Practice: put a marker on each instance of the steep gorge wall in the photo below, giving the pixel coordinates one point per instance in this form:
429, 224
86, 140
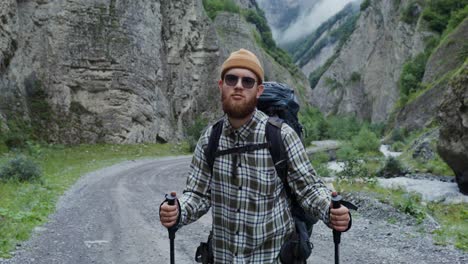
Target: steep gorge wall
119, 71
453, 118
442, 64
111, 71
374, 54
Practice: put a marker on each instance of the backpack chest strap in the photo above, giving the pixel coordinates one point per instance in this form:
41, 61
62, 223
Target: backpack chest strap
243, 149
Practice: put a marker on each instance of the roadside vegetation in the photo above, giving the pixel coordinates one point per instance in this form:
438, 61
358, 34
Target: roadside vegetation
319, 127
452, 218
363, 164
34, 176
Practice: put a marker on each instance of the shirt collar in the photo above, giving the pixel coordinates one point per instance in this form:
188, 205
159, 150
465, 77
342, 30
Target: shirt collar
243, 131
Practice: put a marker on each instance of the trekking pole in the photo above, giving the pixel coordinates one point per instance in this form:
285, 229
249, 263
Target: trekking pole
172, 230
336, 203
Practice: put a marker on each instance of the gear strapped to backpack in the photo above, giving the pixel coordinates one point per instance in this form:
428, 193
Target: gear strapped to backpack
279, 102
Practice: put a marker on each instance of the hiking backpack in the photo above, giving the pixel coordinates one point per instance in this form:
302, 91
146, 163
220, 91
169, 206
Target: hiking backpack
279, 100
280, 103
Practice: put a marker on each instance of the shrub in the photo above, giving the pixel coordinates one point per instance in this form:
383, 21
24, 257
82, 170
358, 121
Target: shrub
332, 83
3, 147
411, 205
354, 169
366, 141
377, 128
410, 13
20, 168
320, 158
412, 74
315, 126
15, 141
314, 77
34, 149
457, 17
194, 132
355, 77
322, 170
392, 168
397, 146
347, 152
343, 127
365, 4
18, 133
212, 7
438, 13
398, 134
320, 163
436, 21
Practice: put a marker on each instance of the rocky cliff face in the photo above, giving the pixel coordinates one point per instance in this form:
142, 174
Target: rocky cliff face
280, 13
108, 70
453, 118
325, 42
362, 80
446, 59
236, 33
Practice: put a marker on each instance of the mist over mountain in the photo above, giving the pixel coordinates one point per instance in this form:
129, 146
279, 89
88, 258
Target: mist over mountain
291, 20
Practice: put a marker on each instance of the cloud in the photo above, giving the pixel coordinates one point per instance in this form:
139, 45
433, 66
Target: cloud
310, 19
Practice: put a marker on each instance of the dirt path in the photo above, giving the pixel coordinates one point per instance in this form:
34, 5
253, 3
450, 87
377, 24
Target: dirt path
110, 216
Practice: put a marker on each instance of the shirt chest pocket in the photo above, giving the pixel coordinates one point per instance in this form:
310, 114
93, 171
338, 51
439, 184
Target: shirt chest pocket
262, 181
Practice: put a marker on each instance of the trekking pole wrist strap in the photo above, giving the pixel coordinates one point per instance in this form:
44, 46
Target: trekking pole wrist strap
175, 227
350, 206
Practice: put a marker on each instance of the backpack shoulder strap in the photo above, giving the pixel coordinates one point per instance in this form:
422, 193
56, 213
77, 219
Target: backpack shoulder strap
279, 156
213, 143
278, 149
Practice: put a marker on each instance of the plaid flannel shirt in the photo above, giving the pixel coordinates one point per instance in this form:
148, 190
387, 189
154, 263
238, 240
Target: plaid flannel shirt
250, 208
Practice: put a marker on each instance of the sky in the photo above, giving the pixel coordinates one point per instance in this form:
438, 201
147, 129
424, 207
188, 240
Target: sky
310, 19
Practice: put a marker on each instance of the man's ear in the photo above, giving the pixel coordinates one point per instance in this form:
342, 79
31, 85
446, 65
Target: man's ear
220, 85
260, 89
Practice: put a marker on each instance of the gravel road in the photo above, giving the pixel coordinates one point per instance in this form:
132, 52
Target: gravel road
111, 216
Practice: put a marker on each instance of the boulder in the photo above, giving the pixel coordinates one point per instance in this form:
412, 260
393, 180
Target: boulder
453, 118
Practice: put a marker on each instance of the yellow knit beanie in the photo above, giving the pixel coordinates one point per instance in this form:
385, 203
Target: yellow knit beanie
243, 59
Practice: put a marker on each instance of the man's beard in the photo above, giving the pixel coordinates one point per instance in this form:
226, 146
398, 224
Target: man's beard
238, 109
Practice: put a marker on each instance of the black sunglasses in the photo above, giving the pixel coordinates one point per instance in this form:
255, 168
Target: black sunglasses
247, 82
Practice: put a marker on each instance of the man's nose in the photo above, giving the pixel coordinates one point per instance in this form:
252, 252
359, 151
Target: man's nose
239, 83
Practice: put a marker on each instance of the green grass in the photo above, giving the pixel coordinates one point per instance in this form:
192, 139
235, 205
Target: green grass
24, 206
454, 224
453, 218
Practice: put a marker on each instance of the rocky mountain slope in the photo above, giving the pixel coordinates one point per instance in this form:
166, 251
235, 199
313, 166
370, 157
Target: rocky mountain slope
362, 80
389, 70
281, 14
447, 58
116, 71
313, 52
453, 117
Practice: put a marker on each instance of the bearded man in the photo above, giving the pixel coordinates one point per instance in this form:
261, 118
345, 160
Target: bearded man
250, 209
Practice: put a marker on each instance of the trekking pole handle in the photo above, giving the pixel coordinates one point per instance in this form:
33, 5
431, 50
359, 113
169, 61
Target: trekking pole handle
336, 200
336, 203
171, 198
